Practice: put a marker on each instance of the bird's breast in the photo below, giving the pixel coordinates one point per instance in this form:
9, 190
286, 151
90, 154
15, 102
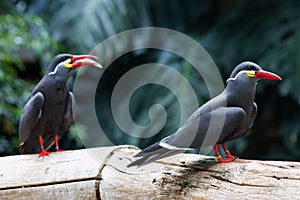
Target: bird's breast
61, 88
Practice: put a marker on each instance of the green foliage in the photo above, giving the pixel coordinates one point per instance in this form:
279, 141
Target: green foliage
25, 35
270, 38
90, 22
22, 38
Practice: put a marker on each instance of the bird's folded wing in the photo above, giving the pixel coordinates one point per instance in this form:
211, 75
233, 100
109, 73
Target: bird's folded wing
30, 116
202, 130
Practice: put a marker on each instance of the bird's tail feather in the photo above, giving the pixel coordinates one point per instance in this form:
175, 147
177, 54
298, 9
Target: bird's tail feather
21, 148
153, 153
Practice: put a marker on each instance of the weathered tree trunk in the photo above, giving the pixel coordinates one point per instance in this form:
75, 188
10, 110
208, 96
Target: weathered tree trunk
101, 173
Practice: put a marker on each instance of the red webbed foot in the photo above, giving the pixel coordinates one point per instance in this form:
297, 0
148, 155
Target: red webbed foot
223, 160
229, 156
57, 149
44, 153
227, 159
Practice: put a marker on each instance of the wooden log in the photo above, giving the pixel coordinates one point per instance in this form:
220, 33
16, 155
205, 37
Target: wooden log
101, 173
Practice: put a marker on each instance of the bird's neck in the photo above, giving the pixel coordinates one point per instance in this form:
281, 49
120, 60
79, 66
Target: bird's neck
240, 94
58, 77
57, 84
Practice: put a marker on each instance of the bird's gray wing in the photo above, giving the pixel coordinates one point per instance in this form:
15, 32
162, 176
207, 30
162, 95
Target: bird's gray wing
31, 113
235, 125
199, 130
207, 128
241, 130
67, 120
253, 115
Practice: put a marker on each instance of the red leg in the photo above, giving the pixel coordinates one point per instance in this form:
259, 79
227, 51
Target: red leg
43, 151
218, 157
56, 144
227, 153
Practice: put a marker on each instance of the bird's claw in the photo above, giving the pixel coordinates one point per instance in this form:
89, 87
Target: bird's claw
225, 160
229, 156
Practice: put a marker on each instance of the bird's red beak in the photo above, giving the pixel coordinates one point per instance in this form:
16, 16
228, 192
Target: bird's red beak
84, 60
267, 75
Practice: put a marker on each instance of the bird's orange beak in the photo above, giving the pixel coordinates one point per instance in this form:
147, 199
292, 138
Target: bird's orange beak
267, 75
84, 60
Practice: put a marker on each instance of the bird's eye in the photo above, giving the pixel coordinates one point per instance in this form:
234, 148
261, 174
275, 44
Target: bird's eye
251, 67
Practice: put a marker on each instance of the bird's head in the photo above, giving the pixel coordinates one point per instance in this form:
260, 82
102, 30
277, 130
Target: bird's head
252, 71
63, 64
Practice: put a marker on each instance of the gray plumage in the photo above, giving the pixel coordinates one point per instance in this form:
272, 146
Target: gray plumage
226, 117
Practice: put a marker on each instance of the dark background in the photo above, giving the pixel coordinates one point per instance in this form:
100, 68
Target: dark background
266, 32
